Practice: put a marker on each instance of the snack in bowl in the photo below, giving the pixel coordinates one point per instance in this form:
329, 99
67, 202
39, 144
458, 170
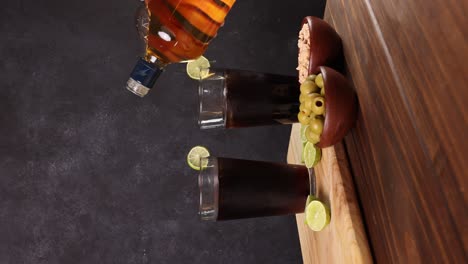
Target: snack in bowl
319, 45
330, 112
328, 102
312, 109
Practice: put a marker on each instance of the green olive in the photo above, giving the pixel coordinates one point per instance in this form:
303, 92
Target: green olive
303, 118
303, 97
316, 125
304, 110
309, 102
311, 136
319, 80
308, 87
318, 106
311, 77
322, 92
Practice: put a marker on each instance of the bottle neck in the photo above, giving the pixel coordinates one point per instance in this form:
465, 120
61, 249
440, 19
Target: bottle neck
153, 59
144, 75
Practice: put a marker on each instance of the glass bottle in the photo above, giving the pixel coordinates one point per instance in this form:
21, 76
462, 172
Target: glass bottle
174, 31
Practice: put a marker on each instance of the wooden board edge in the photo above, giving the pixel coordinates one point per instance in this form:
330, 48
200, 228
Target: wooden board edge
357, 233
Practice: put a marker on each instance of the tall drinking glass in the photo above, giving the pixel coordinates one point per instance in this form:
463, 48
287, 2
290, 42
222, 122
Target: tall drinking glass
237, 98
236, 189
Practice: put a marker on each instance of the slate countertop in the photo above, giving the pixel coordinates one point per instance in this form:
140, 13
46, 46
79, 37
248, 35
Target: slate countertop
89, 173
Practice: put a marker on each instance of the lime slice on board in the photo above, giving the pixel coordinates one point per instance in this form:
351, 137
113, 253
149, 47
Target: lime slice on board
310, 198
317, 215
198, 69
311, 155
193, 157
303, 133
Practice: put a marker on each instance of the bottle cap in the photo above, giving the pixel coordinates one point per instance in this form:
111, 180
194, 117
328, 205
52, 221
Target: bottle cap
143, 77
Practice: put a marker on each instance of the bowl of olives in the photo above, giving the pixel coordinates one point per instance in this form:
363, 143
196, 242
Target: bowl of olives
328, 107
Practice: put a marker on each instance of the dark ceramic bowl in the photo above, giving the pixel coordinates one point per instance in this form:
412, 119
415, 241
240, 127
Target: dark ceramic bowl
340, 107
325, 45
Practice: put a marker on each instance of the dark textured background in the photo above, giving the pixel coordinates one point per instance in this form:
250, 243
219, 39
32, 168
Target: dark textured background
89, 173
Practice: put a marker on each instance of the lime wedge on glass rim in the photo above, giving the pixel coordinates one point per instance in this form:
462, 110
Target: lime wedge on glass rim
194, 156
198, 69
317, 215
311, 155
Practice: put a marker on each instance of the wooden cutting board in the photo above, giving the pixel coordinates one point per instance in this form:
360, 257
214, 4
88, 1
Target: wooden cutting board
344, 239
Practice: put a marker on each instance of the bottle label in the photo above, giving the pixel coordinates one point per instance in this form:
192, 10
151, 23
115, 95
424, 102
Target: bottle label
145, 73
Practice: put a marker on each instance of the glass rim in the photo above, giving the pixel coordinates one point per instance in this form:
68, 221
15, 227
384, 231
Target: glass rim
219, 74
208, 186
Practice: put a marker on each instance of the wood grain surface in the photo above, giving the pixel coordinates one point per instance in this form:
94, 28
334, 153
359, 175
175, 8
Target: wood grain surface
344, 239
408, 63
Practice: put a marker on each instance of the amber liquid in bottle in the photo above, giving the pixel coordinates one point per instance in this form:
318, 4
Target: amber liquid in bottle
178, 30
181, 30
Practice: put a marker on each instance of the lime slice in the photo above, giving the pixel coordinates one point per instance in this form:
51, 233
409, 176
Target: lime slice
303, 134
317, 215
302, 155
311, 155
193, 157
198, 69
310, 198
